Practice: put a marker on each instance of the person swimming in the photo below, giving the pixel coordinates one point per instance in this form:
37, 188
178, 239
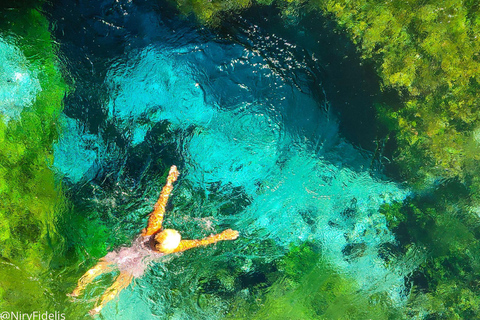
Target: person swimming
151, 244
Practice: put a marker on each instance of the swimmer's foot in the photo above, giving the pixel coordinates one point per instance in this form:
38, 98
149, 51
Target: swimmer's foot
75, 293
95, 311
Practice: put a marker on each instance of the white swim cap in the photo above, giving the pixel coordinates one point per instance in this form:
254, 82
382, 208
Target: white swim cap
167, 240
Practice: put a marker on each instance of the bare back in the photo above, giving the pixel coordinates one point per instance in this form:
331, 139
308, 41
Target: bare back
136, 258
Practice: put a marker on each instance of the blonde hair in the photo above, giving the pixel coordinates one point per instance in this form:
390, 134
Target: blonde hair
167, 240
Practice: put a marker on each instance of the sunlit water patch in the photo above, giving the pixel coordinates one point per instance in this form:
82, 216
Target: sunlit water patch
240, 128
18, 84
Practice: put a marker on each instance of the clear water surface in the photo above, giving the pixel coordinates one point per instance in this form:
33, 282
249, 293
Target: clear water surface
257, 152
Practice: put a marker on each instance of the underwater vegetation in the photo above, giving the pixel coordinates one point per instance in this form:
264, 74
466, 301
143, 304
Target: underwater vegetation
446, 284
30, 197
429, 52
306, 286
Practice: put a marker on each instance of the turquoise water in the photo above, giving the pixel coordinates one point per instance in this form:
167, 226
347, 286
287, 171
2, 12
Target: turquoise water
19, 83
255, 154
274, 125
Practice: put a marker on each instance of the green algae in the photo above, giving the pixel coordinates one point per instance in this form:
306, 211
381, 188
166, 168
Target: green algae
209, 11
31, 198
428, 51
305, 286
445, 286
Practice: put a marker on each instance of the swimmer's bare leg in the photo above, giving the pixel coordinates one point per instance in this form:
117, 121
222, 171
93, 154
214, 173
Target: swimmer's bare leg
101, 267
228, 234
156, 217
122, 281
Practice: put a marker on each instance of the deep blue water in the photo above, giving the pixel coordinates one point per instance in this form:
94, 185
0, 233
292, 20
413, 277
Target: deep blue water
258, 149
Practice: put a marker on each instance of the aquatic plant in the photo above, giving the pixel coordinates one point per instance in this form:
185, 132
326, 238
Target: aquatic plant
208, 12
445, 286
428, 51
30, 196
305, 286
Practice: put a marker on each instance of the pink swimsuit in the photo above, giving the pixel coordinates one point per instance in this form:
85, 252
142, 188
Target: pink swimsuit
135, 259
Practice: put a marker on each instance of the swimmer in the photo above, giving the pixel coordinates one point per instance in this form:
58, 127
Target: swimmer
150, 245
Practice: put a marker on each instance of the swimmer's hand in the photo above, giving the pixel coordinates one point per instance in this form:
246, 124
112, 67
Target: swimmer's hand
228, 234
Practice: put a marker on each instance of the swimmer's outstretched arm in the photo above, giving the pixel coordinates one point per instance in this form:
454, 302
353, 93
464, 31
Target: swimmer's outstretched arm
101, 267
156, 217
122, 281
228, 234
